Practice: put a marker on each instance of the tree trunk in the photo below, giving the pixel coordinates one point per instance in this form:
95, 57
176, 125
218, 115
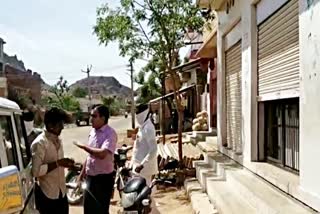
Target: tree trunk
180, 116
180, 129
163, 111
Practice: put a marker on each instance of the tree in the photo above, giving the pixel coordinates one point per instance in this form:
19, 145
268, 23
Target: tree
62, 98
114, 104
80, 92
150, 87
150, 27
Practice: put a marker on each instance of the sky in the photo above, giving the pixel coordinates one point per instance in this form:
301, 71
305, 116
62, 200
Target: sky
54, 38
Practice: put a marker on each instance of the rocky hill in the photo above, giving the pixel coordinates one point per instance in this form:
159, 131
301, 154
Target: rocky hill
105, 86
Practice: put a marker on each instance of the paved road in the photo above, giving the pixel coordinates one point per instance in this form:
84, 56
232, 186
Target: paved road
80, 134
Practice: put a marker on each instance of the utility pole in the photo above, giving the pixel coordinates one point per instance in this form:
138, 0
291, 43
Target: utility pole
87, 71
163, 108
132, 96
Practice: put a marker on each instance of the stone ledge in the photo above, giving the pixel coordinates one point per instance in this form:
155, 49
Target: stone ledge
199, 200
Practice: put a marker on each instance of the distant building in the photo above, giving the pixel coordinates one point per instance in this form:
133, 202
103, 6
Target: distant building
3, 82
22, 83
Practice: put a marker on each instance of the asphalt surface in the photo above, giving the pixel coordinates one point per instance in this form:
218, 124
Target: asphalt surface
80, 134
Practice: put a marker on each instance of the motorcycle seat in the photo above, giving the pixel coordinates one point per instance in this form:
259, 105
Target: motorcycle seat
135, 184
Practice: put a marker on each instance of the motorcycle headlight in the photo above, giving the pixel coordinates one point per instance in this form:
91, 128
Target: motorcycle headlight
145, 202
84, 185
127, 199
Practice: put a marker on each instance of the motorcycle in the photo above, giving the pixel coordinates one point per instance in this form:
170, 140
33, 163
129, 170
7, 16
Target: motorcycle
75, 192
136, 196
122, 172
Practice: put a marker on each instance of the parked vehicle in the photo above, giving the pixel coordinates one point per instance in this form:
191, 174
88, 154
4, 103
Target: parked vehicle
122, 172
15, 162
82, 117
136, 196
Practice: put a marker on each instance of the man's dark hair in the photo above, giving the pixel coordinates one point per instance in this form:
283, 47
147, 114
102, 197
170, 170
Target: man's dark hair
141, 108
28, 116
103, 111
54, 116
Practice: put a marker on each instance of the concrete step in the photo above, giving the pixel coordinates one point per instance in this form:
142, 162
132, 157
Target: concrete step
213, 162
199, 200
220, 176
203, 172
211, 177
226, 199
207, 147
212, 140
200, 136
262, 195
216, 159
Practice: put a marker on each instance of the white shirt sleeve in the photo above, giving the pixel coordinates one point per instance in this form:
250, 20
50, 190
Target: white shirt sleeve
149, 136
38, 153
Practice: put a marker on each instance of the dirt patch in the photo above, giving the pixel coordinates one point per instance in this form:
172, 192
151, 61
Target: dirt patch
122, 139
166, 201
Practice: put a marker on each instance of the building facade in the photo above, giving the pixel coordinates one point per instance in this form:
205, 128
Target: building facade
25, 84
267, 85
3, 81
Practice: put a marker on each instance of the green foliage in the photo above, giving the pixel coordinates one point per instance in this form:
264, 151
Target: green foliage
80, 92
61, 98
67, 102
144, 27
150, 87
149, 27
114, 104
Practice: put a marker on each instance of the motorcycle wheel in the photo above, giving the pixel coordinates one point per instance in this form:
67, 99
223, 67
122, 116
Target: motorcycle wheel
74, 195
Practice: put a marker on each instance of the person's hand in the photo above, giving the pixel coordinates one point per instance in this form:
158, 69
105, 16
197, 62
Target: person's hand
79, 181
65, 162
138, 168
80, 145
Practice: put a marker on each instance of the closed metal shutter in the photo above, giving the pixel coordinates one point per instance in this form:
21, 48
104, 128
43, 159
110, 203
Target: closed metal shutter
278, 52
233, 97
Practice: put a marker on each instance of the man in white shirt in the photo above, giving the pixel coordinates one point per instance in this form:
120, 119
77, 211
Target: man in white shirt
144, 157
48, 165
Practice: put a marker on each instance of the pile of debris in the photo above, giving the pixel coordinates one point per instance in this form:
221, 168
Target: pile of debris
168, 158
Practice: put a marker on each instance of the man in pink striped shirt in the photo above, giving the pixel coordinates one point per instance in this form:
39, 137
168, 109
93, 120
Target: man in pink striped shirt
99, 165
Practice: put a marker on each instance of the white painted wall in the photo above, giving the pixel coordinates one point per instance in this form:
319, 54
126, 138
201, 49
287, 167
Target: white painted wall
234, 26
309, 101
249, 14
